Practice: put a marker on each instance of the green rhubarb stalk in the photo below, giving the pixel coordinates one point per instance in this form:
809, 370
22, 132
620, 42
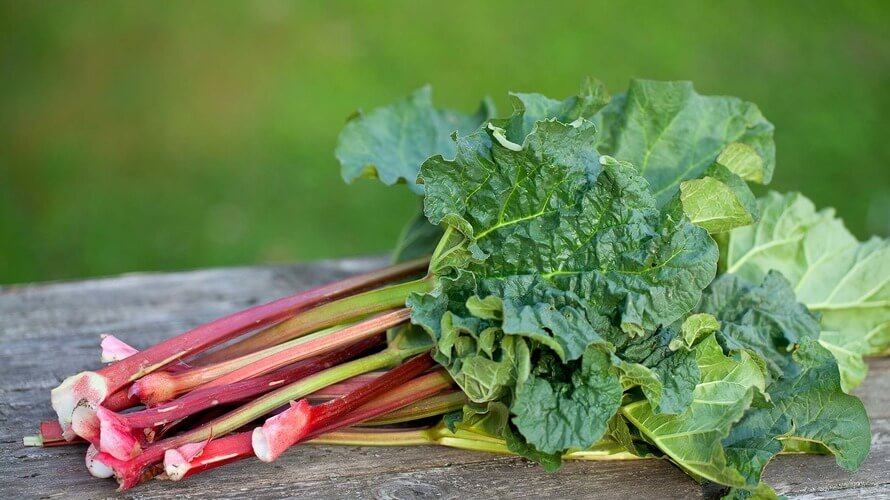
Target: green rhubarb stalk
459, 438
333, 313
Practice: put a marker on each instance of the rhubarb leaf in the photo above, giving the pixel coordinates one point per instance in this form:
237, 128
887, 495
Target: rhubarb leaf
530, 108
809, 405
556, 245
765, 319
547, 211
693, 439
667, 376
672, 133
719, 201
391, 142
805, 400
568, 405
846, 281
417, 239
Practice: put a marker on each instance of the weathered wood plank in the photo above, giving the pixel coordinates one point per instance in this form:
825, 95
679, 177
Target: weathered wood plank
49, 331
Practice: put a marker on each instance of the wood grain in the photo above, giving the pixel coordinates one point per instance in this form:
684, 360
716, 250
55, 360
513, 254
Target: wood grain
49, 331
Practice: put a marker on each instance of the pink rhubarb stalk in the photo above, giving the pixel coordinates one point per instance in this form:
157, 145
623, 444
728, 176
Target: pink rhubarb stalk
95, 386
162, 386
314, 347
145, 465
120, 432
302, 419
192, 459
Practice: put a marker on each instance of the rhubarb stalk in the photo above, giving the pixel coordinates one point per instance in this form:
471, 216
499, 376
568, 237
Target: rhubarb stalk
332, 313
303, 419
320, 345
95, 386
131, 472
120, 425
194, 458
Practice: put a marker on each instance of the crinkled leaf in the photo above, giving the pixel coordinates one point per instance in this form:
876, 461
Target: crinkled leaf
765, 319
666, 376
807, 405
693, 439
390, 143
530, 108
547, 211
564, 406
694, 328
805, 400
672, 134
846, 281
485, 363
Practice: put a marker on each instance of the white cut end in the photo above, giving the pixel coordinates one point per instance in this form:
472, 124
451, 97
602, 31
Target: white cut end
115, 349
175, 465
95, 466
115, 438
85, 386
32, 441
260, 443
84, 422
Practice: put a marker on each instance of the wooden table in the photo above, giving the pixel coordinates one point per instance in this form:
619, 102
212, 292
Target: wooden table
49, 331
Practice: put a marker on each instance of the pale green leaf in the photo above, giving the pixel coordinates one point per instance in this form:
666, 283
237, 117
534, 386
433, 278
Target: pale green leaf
846, 281
673, 134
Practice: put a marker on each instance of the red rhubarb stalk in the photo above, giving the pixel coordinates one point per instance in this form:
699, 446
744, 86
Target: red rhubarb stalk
192, 459
121, 427
336, 390
162, 386
94, 387
425, 408
302, 419
333, 313
313, 347
131, 472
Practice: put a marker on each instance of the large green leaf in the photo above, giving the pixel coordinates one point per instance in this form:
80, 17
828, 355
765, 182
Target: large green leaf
693, 439
549, 245
719, 201
390, 143
805, 400
808, 404
665, 371
672, 134
547, 211
845, 280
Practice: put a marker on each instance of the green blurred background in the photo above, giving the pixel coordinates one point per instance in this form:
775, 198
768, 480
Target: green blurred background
167, 135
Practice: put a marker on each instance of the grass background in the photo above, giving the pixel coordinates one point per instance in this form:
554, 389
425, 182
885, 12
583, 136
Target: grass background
169, 135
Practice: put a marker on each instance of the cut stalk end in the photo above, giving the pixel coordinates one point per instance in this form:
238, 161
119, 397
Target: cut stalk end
89, 387
115, 436
84, 422
281, 431
178, 461
96, 467
32, 441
